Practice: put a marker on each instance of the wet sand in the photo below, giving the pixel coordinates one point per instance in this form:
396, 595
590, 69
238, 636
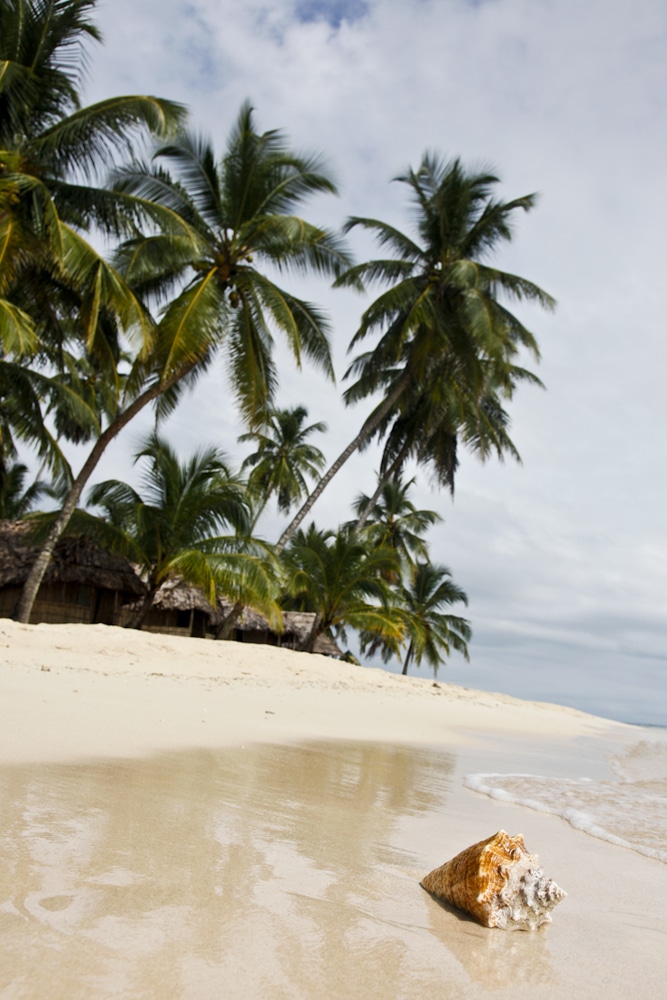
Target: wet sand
190, 819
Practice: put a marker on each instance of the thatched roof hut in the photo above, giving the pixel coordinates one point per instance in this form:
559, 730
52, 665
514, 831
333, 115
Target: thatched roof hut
83, 582
253, 627
298, 624
181, 609
178, 608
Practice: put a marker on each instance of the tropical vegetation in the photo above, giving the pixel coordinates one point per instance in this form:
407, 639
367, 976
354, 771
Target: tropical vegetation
394, 521
429, 632
448, 344
173, 528
219, 218
283, 459
342, 578
203, 248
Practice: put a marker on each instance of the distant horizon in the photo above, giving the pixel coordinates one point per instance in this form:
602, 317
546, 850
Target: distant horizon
521, 683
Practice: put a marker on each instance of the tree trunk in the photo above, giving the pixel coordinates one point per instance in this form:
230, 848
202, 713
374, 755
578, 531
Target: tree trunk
36, 575
139, 616
408, 657
367, 429
224, 629
308, 643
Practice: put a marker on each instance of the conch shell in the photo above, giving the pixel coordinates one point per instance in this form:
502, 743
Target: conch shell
498, 883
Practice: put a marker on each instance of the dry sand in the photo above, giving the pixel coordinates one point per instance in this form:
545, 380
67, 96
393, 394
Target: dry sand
183, 818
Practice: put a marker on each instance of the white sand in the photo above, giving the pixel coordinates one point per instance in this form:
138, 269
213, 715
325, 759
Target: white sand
72, 690
283, 923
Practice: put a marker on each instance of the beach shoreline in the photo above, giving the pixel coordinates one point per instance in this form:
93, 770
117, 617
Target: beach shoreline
146, 778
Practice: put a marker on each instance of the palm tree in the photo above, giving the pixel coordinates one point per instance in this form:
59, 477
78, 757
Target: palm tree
55, 288
27, 396
341, 578
230, 213
16, 499
238, 211
443, 311
392, 521
51, 149
172, 527
40, 72
436, 415
430, 632
45, 132
283, 458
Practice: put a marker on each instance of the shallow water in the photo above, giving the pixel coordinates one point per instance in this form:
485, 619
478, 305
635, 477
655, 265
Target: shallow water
237, 874
267, 872
628, 809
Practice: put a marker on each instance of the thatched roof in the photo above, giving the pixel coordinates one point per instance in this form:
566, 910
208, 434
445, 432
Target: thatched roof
176, 595
300, 623
297, 626
248, 620
76, 559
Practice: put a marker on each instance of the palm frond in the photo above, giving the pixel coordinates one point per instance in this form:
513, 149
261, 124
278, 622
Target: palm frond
253, 371
388, 236
17, 331
194, 158
88, 137
374, 271
294, 245
190, 326
305, 325
103, 287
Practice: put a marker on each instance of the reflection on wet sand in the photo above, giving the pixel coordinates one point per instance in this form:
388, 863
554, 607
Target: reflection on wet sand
495, 960
270, 871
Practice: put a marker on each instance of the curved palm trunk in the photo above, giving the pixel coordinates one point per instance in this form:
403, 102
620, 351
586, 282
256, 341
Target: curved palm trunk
226, 626
308, 645
367, 429
391, 471
36, 575
139, 617
408, 658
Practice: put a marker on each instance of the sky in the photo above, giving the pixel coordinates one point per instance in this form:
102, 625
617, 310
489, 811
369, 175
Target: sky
563, 557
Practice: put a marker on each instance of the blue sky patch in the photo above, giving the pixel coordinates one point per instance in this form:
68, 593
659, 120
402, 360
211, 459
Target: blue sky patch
332, 11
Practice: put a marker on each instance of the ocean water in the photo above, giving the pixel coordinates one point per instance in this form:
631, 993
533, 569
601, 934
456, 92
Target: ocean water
628, 807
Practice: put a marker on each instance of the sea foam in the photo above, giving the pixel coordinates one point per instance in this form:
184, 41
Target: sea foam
630, 810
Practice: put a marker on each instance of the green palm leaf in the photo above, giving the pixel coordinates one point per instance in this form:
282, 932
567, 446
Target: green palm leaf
235, 210
189, 327
86, 138
171, 525
102, 286
17, 331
